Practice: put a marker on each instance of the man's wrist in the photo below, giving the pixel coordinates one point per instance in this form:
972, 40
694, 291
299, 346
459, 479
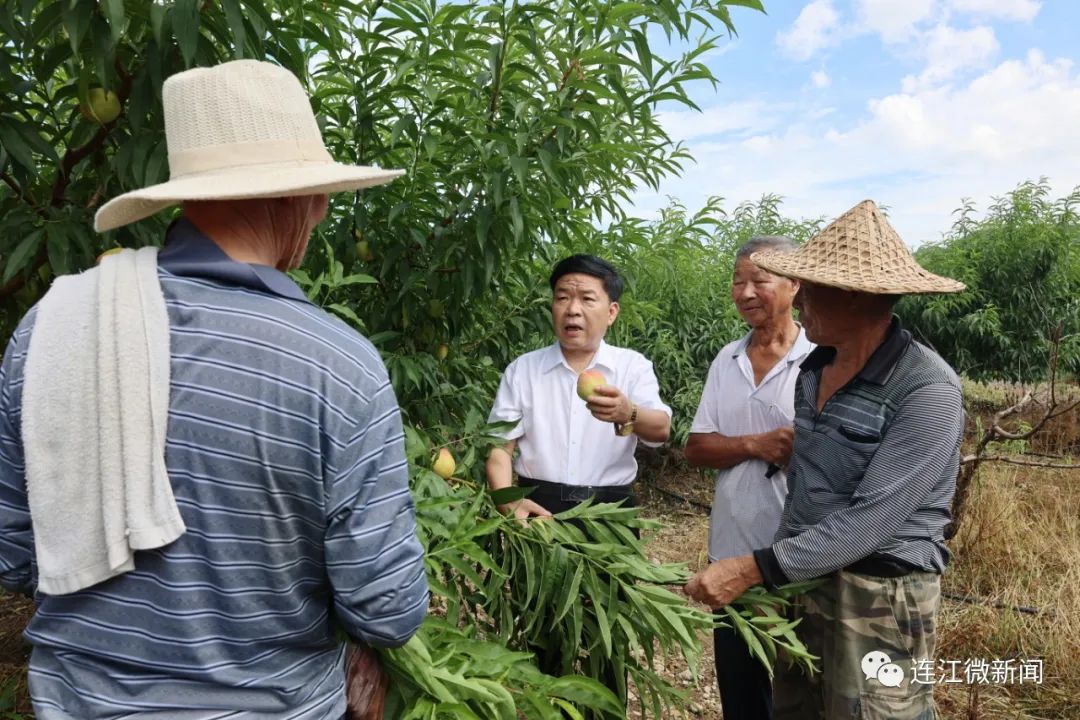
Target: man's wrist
627, 428
750, 446
750, 571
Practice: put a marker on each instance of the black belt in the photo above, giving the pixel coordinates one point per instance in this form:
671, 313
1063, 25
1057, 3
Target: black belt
579, 493
882, 566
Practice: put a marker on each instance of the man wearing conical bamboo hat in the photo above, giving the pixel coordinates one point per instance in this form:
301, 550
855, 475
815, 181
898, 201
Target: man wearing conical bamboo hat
878, 423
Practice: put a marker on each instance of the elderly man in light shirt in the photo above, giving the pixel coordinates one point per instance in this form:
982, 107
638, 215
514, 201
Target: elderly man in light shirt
570, 450
743, 428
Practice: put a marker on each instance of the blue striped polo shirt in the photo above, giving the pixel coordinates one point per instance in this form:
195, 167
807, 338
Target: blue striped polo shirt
872, 475
285, 452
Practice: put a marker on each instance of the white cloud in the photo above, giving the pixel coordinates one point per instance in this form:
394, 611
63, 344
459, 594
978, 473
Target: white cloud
948, 51
820, 79
920, 152
1032, 102
893, 20
734, 117
814, 29
1021, 10
903, 24
719, 50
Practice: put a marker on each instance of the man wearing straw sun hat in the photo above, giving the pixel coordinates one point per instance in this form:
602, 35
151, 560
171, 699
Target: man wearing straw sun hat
878, 424
202, 474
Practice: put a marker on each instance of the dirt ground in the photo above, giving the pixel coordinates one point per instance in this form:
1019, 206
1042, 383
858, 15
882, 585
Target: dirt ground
15, 611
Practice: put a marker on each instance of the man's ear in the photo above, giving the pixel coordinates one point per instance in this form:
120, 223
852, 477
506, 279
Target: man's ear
613, 312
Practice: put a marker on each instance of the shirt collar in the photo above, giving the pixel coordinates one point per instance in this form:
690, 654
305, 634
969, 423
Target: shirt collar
553, 358
190, 253
801, 348
879, 366
798, 350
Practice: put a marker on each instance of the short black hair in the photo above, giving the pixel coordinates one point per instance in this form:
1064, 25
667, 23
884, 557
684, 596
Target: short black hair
590, 265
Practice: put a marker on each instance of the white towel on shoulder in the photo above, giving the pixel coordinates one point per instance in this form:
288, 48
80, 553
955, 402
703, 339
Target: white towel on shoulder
94, 413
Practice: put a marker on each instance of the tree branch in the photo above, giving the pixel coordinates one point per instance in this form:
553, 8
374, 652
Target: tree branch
10, 182
75, 155
970, 463
1012, 460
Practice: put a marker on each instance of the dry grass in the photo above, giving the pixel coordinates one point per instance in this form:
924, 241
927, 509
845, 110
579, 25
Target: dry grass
1019, 546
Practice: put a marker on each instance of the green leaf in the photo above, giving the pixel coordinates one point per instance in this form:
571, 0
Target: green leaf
158, 14
185, 22
753, 4
23, 253
587, 692
114, 13
76, 22
572, 712
15, 146
516, 220
357, 279
59, 249
347, 313
571, 597
509, 494
749, 637
520, 165
235, 18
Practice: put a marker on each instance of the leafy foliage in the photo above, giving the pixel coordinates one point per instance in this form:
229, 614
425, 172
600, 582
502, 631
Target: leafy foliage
1021, 264
578, 591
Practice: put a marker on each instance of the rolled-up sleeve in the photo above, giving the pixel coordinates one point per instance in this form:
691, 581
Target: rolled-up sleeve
16, 536
919, 451
373, 557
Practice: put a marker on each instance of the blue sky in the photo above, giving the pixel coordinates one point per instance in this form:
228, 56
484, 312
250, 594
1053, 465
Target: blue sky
915, 104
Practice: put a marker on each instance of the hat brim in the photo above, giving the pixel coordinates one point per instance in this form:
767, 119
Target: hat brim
251, 181
910, 279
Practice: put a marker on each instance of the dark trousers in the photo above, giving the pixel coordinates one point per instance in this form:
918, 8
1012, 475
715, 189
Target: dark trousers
745, 690
557, 498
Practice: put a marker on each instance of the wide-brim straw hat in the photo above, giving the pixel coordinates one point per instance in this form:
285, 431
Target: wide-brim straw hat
242, 129
858, 251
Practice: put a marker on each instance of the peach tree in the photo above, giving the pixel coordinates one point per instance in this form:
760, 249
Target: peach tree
1021, 263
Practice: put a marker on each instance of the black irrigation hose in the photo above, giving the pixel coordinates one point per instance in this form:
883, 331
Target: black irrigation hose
676, 496
970, 599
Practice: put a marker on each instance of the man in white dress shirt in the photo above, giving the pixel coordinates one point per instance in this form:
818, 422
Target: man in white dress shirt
743, 428
570, 450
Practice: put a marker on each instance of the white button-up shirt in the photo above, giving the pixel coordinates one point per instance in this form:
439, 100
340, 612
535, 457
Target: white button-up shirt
747, 505
558, 438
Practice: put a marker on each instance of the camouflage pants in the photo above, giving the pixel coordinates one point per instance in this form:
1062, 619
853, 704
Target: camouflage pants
867, 632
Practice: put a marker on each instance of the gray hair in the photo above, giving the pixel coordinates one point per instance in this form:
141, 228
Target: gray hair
765, 242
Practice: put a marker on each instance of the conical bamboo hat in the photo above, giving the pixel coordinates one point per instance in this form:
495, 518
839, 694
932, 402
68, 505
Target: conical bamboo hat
858, 251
